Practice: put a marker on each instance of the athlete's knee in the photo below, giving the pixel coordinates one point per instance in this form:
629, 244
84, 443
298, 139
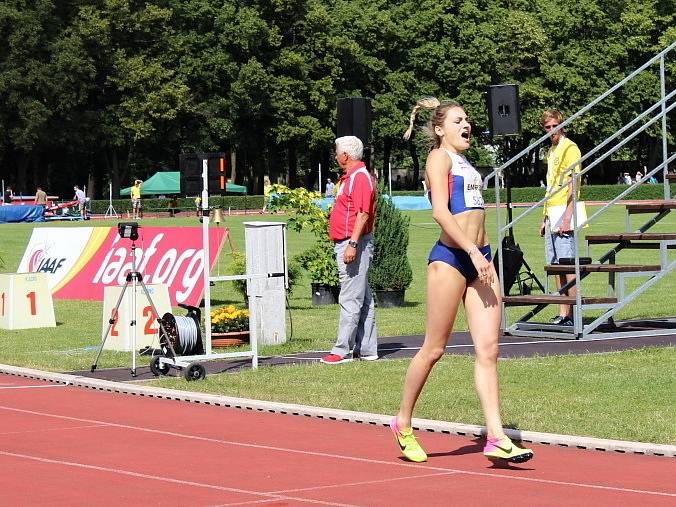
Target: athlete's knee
487, 352
431, 354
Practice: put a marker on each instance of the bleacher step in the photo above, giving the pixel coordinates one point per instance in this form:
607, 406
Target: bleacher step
630, 236
602, 268
651, 207
554, 299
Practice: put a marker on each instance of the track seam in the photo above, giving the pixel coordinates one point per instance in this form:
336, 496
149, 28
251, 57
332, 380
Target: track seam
451, 428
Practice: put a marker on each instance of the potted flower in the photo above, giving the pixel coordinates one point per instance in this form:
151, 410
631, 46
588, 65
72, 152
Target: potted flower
319, 260
229, 326
390, 272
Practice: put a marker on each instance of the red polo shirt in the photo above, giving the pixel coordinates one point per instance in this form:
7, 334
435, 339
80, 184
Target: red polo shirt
356, 192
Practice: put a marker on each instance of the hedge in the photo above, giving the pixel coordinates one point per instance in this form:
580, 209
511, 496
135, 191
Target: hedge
235, 202
255, 202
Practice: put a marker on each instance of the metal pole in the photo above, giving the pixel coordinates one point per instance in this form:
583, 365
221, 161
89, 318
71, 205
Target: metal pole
665, 169
134, 275
205, 249
390, 177
319, 185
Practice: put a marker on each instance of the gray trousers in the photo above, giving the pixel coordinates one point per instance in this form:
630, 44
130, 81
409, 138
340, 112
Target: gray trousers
356, 324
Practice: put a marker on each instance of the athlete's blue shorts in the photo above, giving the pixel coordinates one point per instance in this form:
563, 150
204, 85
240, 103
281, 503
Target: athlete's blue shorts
458, 258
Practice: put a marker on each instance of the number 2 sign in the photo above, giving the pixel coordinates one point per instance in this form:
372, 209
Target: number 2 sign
120, 337
25, 301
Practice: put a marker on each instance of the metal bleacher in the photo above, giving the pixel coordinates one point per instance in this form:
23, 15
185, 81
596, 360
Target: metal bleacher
594, 315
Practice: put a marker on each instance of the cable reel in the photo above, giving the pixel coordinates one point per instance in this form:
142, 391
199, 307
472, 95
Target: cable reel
183, 333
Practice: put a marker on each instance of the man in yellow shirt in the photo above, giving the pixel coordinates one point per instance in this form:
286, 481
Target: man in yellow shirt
136, 200
556, 225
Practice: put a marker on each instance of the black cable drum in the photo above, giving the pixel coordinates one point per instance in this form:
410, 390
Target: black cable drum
183, 333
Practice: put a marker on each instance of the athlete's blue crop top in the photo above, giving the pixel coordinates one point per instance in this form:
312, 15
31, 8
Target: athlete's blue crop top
464, 185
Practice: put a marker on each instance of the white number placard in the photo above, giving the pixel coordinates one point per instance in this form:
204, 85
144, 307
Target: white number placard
25, 301
147, 329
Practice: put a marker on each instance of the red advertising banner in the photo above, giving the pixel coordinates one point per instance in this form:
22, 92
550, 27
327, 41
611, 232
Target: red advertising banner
167, 255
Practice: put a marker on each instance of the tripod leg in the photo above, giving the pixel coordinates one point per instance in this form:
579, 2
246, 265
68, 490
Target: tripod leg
163, 332
532, 275
116, 311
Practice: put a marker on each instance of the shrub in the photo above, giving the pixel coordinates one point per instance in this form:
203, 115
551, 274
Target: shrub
390, 268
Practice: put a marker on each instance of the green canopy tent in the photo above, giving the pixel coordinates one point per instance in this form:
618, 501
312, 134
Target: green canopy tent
169, 182
162, 183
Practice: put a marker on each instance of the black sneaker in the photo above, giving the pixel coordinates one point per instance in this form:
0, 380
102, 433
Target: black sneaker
566, 321
560, 320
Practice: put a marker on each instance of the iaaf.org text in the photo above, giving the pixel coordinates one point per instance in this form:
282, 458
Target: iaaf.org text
158, 263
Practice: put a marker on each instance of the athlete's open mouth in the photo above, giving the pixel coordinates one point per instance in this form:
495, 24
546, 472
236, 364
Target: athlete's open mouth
465, 135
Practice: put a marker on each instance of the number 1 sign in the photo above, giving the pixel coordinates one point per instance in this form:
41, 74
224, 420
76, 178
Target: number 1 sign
25, 301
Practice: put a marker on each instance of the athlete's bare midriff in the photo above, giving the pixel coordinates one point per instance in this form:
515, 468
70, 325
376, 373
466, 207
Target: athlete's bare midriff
472, 224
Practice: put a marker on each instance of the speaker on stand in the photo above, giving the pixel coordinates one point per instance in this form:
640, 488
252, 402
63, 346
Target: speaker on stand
353, 118
504, 111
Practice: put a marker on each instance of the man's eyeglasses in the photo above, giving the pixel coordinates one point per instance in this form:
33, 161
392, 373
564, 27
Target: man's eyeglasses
550, 127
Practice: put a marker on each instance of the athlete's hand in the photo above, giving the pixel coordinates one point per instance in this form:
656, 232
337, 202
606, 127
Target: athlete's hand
542, 229
482, 266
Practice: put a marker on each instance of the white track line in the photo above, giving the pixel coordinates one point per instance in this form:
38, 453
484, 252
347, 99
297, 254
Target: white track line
162, 478
32, 387
336, 456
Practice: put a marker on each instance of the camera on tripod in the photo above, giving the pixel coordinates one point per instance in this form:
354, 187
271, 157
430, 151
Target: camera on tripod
128, 230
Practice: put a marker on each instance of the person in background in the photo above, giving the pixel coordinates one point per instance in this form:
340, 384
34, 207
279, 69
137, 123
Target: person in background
136, 200
40, 197
81, 199
267, 186
627, 179
328, 191
556, 228
198, 205
639, 175
350, 226
9, 193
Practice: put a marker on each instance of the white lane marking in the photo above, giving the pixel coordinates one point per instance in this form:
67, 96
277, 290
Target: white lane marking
162, 478
9, 386
338, 485
52, 429
336, 456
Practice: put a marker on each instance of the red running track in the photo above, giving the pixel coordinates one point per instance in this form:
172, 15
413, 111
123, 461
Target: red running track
63, 445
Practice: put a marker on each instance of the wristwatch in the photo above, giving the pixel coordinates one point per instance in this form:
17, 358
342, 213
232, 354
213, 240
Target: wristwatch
353, 244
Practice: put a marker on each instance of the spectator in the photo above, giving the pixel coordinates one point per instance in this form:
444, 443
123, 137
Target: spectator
350, 226
556, 228
136, 200
40, 197
627, 179
639, 175
81, 199
8, 195
267, 186
328, 191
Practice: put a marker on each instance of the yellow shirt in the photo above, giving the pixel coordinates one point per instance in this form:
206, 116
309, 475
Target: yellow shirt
136, 192
559, 159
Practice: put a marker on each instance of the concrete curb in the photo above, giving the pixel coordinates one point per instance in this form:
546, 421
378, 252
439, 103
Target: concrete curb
468, 430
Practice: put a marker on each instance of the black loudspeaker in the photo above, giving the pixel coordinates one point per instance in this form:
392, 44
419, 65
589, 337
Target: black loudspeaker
353, 118
504, 112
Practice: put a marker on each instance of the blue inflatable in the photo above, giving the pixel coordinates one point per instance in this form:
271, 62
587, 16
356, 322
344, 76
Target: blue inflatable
22, 213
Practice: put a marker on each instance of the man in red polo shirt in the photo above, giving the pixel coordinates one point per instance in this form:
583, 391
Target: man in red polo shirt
350, 227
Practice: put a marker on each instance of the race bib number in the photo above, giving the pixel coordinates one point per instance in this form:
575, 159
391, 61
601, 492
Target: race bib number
473, 195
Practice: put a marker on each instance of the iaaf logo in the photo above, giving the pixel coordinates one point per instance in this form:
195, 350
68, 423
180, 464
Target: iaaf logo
158, 264
39, 263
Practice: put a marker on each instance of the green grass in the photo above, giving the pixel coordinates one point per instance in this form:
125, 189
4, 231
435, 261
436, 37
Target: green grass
626, 396
620, 395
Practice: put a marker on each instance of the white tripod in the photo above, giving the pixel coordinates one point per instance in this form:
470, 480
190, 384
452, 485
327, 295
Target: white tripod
110, 212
